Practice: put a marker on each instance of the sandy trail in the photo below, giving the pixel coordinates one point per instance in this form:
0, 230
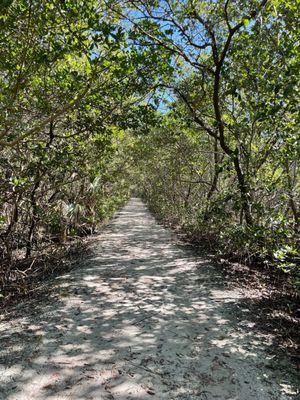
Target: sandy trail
142, 318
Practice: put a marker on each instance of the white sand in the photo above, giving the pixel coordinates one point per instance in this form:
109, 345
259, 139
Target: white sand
143, 318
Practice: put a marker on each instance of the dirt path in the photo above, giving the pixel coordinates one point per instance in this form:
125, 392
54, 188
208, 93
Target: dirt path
143, 318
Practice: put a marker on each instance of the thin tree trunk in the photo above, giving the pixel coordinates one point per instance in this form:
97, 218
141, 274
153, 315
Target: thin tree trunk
214, 183
292, 203
244, 192
33, 218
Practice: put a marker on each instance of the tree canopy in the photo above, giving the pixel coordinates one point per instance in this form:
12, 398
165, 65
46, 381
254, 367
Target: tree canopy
191, 104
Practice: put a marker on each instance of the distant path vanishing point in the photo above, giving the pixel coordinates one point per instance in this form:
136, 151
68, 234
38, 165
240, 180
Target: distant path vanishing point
142, 317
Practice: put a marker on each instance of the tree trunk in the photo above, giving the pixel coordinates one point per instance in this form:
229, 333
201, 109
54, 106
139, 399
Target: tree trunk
292, 202
33, 219
244, 192
216, 171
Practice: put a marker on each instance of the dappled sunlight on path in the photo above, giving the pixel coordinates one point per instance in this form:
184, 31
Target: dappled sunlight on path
141, 318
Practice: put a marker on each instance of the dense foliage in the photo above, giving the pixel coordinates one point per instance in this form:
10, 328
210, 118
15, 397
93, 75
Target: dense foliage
223, 165
193, 102
68, 83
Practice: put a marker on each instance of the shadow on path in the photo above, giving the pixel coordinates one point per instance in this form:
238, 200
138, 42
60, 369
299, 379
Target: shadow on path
141, 318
